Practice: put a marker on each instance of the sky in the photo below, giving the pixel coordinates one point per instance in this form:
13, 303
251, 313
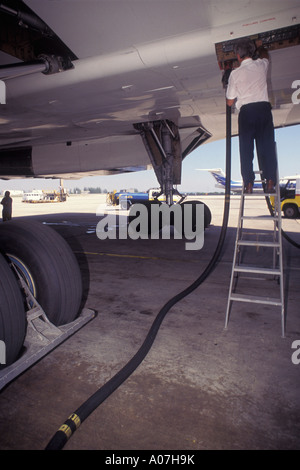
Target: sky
210, 155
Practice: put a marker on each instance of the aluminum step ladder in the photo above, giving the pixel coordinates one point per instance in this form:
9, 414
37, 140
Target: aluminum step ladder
271, 245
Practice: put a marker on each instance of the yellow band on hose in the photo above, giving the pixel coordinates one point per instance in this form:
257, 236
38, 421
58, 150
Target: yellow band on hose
76, 420
66, 430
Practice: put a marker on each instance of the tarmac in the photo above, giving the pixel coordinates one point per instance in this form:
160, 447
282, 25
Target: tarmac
200, 387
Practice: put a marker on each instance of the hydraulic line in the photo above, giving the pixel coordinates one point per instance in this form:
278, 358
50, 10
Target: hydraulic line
75, 419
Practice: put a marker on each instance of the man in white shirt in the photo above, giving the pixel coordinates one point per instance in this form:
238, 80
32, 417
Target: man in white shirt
247, 86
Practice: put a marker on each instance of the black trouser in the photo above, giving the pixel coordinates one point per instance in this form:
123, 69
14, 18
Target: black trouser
256, 124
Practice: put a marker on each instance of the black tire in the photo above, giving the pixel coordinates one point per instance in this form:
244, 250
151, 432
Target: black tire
12, 314
207, 213
147, 205
45, 258
290, 211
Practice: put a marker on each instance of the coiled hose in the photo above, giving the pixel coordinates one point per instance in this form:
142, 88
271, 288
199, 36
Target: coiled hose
74, 421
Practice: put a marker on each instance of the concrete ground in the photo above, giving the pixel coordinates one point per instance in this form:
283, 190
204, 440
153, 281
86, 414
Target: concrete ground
200, 386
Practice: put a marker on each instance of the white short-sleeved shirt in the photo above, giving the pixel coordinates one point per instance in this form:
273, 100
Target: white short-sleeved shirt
248, 83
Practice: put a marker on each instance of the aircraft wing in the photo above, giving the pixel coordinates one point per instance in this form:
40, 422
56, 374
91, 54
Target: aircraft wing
95, 79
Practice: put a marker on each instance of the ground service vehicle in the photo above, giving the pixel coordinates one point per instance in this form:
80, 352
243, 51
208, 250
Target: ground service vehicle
153, 196
44, 196
126, 199
290, 197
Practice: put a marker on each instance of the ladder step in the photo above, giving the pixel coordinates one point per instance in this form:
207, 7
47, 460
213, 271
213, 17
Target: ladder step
260, 217
246, 238
255, 299
258, 243
256, 270
259, 192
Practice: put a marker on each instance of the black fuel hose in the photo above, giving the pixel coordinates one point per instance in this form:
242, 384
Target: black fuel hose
283, 233
290, 240
74, 421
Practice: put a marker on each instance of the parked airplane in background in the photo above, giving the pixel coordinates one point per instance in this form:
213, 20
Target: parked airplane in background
287, 183
235, 186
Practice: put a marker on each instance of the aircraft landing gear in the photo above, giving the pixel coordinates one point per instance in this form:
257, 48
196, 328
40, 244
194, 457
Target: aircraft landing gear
162, 142
42, 259
48, 266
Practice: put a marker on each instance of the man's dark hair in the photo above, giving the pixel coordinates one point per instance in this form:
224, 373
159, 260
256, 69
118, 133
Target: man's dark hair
245, 48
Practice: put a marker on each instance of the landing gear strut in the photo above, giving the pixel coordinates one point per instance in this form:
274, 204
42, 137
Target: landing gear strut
162, 142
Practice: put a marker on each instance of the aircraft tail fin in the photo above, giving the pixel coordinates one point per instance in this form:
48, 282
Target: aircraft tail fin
218, 174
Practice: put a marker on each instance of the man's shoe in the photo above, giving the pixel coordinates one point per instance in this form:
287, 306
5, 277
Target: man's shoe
270, 188
249, 188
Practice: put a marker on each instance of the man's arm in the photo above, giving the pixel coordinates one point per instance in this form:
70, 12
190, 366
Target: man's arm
263, 52
230, 102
